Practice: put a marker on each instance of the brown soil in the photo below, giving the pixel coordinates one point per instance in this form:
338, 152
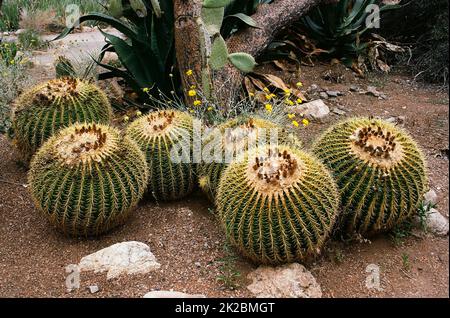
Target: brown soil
187, 241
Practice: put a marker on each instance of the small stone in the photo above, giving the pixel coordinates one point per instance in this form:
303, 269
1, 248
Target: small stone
20, 31
198, 264
430, 198
316, 110
121, 258
333, 94
437, 223
338, 111
94, 289
323, 95
313, 88
288, 281
354, 88
171, 294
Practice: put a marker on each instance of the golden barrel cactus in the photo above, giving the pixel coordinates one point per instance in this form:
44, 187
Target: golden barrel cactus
157, 135
87, 178
232, 138
277, 205
46, 108
380, 172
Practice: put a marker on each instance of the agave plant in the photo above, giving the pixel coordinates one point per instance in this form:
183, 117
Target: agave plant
146, 50
338, 27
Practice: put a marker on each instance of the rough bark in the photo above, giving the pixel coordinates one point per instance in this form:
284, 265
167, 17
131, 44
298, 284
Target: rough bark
188, 44
271, 18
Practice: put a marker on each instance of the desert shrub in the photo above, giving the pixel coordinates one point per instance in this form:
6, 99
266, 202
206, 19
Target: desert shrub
422, 25
12, 9
13, 78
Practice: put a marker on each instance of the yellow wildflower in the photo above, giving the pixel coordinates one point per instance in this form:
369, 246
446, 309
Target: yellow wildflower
266, 90
192, 93
138, 113
269, 107
299, 101
291, 116
210, 108
146, 90
126, 118
299, 84
269, 96
295, 123
251, 94
289, 102
287, 91
197, 102
191, 110
305, 122
193, 87
189, 72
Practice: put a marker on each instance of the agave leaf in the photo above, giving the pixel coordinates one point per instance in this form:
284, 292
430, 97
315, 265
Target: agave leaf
157, 8
135, 61
100, 17
139, 7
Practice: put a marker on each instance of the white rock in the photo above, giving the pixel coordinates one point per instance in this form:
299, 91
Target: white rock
437, 223
316, 109
288, 281
20, 31
430, 198
121, 258
94, 289
171, 294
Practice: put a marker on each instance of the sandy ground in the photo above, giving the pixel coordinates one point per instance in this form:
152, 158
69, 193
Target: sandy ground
187, 241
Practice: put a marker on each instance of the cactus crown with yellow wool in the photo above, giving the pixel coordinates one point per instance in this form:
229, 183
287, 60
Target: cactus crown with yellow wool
43, 110
380, 171
156, 134
234, 136
277, 205
87, 178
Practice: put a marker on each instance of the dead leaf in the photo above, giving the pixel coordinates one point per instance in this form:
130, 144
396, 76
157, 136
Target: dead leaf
275, 81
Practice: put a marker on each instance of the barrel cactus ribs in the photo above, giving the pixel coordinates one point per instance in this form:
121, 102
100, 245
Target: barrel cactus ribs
43, 110
156, 134
380, 171
234, 137
277, 205
87, 178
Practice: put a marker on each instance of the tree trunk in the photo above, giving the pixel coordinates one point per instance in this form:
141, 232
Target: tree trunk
271, 18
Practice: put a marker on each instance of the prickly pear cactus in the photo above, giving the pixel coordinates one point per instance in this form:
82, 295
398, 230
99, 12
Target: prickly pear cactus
157, 134
380, 172
45, 109
87, 178
232, 138
277, 205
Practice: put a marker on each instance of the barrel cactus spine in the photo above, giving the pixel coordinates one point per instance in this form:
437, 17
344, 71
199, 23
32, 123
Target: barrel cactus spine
46, 108
234, 137
277, 205
87, 179
156, 134
380, 170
